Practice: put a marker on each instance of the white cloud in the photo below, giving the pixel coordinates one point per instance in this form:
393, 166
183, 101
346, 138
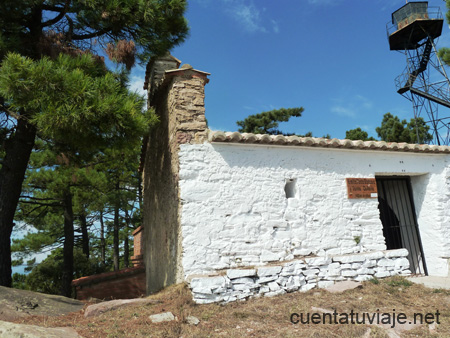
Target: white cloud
137, 85
247, 15
250, 17
275, 26
351, 107
343, 111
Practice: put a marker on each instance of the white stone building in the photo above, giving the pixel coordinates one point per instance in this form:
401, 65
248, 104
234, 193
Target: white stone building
238, 215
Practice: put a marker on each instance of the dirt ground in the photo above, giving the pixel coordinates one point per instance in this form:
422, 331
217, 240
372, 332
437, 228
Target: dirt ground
271, 317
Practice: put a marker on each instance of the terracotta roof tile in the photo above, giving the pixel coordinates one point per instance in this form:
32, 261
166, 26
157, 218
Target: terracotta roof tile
247, 138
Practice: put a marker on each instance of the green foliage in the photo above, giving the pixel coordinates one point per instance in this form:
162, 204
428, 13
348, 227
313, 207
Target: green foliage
80, 104
19, 281
358, 134
374, 280
267, 122
399, 281
444, 54
46, 276
394, 130
155, 26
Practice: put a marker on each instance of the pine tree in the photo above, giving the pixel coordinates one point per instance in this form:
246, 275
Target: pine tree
267, 122
35, 77
394, 130
358, 134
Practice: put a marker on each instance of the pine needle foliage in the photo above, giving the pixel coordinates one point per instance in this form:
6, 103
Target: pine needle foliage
267, 122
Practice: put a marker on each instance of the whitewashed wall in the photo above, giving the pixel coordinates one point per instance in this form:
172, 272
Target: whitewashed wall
235, 213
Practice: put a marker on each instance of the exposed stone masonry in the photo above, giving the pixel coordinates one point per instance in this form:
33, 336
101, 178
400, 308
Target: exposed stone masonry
177, 95
298, 275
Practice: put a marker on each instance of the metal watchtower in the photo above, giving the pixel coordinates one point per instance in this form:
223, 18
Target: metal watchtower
413, 31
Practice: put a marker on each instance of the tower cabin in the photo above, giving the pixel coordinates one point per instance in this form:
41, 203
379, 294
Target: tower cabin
412, 23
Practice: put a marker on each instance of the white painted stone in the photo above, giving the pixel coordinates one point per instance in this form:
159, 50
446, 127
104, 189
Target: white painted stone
210, 283
269, 271
369, 263
382, 274
238, 273
348, 273
266, 279
273, 286
401, 263
349, 258
311, 272
316, 261
396, 253
308, 286
243, 280
233, 201
269, 257
324, 284
301, 252
362, 278
386, 262
275, 293
365, 271
356, 266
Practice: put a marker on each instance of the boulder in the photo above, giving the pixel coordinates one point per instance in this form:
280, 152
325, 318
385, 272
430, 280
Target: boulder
97, 309
13, 330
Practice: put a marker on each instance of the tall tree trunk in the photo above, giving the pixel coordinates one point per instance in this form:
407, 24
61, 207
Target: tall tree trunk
17, 154
67, 271
126, 245
116, 237
102, 240
84, 233
126, 249
116, 253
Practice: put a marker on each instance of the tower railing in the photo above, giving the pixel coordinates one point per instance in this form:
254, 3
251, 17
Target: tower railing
433, 13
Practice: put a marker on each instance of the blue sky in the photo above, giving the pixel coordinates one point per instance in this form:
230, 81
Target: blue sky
330, 57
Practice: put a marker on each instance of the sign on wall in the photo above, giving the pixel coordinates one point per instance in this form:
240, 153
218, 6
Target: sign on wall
361, 188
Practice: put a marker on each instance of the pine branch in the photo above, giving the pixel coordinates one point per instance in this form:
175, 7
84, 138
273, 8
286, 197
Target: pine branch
62, 13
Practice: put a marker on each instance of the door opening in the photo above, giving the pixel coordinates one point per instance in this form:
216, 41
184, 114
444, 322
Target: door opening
399, 221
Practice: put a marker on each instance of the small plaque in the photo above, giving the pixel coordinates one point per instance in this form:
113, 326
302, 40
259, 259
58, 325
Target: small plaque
361, 188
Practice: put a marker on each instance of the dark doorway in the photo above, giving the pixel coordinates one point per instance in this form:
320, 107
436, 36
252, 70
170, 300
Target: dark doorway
399, 221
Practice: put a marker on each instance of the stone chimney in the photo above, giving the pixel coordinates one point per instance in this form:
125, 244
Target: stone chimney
155, 72
178, 97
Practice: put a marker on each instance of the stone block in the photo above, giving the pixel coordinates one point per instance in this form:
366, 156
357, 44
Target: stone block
238, 273
269, 271
211, 283
310, 272
348, 273
400, 263
308, 286
396, 253
324, 284
356, 266
386, 262
273, 286
316, 261
349, 258
269, 257
275, 293
362, 278
369, 263
382, 274
243, 280
266, 279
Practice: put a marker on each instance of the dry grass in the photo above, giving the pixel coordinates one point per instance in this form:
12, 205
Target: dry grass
265, 317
